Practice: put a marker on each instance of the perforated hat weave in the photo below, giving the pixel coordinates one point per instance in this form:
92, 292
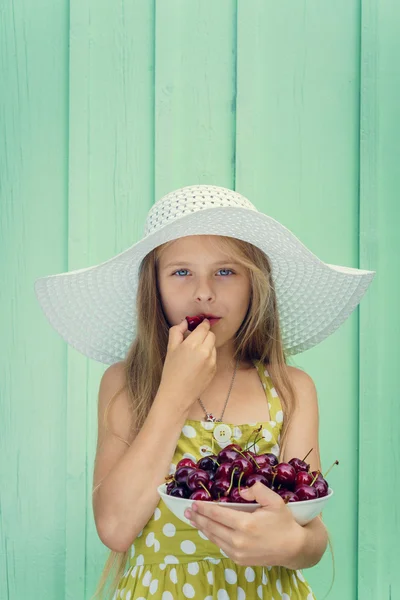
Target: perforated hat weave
94, 309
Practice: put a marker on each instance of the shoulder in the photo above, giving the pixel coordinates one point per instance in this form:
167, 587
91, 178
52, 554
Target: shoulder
114, 375
301, 381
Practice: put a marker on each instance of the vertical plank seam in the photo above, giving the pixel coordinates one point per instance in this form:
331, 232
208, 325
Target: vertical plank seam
235, 90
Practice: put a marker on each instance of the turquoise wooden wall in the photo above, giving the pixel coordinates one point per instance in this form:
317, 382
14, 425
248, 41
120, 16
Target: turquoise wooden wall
104, 107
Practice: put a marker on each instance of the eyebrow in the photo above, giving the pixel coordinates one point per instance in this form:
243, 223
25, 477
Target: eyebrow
187, 264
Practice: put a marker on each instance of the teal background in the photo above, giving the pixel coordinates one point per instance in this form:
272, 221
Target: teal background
104, 107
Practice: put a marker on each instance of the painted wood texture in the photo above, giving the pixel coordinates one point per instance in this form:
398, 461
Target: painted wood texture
106, 106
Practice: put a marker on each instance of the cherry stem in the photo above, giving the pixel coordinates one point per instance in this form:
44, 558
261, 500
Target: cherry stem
273, 478
204, 487
307, 454
240, 479
249, 438
316, 477
230, 487
331, 467
247, 457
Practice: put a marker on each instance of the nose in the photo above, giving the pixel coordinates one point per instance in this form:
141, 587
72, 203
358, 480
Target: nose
204, 292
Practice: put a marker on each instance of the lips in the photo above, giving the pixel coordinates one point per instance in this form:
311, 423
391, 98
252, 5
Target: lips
193, 322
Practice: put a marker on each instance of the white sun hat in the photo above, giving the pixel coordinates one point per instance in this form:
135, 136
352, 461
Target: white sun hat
94, 309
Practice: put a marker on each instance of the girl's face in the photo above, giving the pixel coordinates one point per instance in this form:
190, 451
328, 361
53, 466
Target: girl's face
194, 277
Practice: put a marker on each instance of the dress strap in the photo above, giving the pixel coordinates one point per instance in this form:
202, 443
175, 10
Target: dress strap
274, 403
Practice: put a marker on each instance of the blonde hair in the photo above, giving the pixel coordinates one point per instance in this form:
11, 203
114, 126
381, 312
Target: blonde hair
259, 337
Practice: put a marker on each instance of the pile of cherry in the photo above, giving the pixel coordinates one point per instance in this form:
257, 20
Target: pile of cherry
219, 477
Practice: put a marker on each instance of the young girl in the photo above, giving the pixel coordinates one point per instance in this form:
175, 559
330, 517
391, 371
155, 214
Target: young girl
176, 393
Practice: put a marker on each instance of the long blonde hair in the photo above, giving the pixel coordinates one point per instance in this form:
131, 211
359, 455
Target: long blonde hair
259, 337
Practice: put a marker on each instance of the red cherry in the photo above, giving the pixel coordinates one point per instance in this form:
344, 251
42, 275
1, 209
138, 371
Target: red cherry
236, 497
186, 462
321, 487
268, 473
242, 465
219, 487
306, 492
262, 460
299, 465
229, 453
254, 477
285, 474
303, 478
201, 495
287, 495
193, 322
224, 470
180, 492
196, 478
272, 459
224, 499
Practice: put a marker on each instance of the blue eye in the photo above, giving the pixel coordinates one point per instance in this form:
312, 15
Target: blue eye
180, 270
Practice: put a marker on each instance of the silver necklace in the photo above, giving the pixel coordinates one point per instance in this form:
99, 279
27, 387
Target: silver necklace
210, 416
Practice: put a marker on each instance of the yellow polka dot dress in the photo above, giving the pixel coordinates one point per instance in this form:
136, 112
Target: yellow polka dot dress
170, 560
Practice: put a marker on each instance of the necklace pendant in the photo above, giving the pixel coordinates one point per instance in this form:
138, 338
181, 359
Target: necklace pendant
210, 417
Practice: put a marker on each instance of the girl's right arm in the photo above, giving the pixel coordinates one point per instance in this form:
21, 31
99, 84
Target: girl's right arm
127, 495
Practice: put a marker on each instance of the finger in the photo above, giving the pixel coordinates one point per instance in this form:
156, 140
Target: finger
209, 342
213, 530
228, 517
199, 334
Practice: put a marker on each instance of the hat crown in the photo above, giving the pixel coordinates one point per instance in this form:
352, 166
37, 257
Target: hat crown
190, 199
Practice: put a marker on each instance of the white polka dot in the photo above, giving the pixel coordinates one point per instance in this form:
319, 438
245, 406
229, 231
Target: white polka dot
169, 529
133, 550
260, 591
230, 576
250, 574
141, 598
275, 450
171, 560
206, 451
150, 539
173, 575
139, 534
162, 566
146, 578
210, 577
274, 393
172, 469
191, 456
237, 433
266, 373
208, 598
214, 561
202, 535
189, 431
285, 596
188, 590
223, 553
129, 595
156, 545
193, 568
167, 596
188, 547
153, 586
140, 560
157, 514
300, 576
267, 435
264, 578
254, 448
222, 595
253, 424
264, 386
278, 586
207, 425
295, 580
310, 597
241, 595
272, 423
279, 416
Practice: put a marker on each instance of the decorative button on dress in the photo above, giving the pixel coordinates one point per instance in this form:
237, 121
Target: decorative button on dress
170, 560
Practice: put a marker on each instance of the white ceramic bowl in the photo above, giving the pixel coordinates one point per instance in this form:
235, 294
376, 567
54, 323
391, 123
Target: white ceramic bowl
303, 512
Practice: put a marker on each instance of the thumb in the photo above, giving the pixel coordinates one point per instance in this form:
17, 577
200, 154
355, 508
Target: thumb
261, 494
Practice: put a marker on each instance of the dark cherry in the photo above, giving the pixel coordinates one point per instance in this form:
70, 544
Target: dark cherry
299, 465
196, 478
272, 459
201, 495
186, 462
236, 497
208, 463
285, 474
242, 465
320, 476
219, 487
224, 499
182, 474
224, 470
287, 495
179, 492
193, 322
303, 478
253, 478
229, 453
268, 473
306, 492
262, 460
170, 486
321, 488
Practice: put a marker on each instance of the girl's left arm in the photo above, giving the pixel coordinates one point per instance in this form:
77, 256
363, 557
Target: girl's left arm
302, 435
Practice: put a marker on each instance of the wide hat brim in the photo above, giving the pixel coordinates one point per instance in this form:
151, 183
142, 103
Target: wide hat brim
94, 309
